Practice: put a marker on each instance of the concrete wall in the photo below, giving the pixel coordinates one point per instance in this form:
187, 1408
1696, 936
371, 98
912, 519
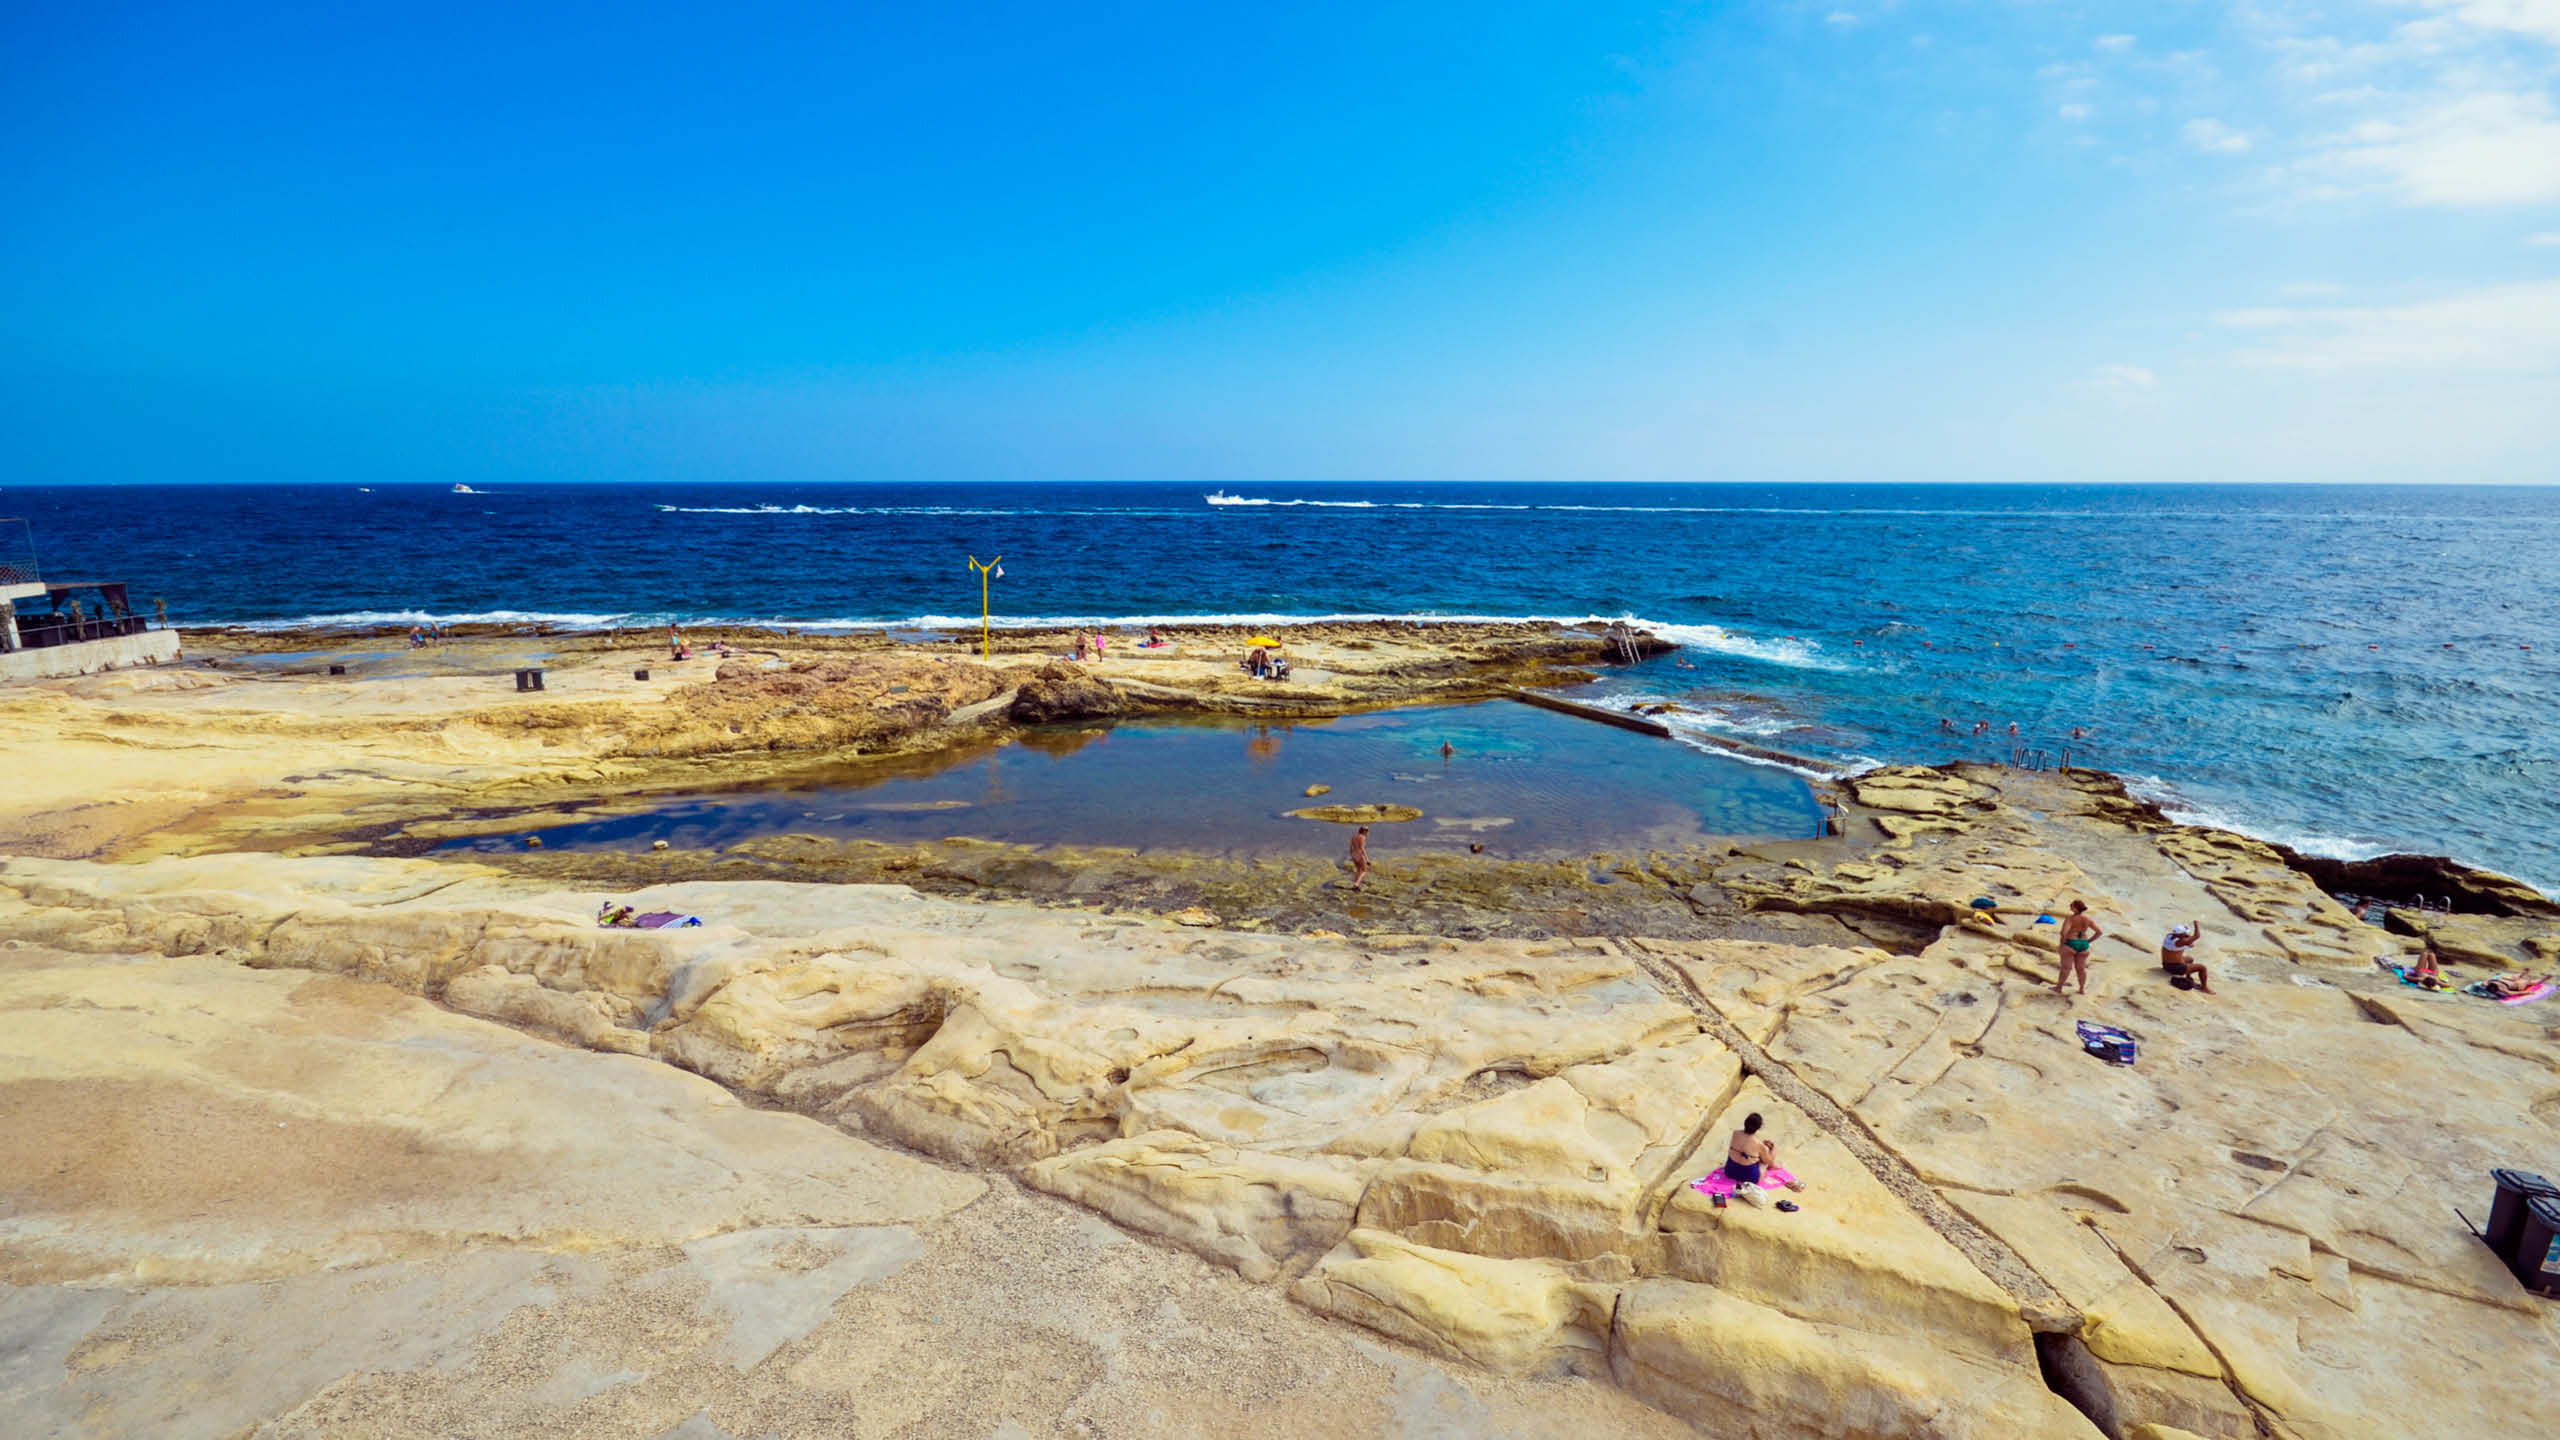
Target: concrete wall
88, 657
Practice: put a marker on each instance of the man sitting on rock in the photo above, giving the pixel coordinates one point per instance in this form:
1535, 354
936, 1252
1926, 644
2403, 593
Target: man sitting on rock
2177, 957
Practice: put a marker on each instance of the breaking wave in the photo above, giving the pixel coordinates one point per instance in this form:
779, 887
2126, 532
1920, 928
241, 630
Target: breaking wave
2188, 809
1786, 651
1222, 498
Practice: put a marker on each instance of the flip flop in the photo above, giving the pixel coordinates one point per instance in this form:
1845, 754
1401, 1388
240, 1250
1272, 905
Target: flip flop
1789, 1206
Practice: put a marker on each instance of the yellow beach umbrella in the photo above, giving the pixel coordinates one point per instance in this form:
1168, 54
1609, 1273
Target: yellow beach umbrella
1262, 640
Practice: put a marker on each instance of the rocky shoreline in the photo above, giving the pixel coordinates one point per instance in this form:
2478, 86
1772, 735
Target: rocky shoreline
1458, 1111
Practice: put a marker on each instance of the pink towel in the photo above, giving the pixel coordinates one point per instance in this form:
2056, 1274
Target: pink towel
1716, 1182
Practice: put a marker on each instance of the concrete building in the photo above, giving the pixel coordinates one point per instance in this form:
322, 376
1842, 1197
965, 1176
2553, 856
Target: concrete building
67, 627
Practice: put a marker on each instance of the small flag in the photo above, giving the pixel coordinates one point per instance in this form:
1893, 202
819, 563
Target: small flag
999, 572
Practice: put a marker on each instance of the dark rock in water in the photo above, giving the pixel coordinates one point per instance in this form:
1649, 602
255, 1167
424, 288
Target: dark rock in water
1063, 692
2402, 879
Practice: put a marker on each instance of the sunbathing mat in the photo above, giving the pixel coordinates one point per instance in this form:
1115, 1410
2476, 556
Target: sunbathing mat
2477, 989
619, 917
1716, 1182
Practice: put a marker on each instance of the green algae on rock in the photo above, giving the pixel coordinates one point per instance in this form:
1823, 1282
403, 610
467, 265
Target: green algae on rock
1358, 814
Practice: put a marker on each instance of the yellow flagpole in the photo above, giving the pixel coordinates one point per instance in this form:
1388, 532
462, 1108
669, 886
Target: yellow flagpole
986, 625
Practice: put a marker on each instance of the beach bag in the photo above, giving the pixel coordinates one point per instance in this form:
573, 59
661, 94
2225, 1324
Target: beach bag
2106, 1042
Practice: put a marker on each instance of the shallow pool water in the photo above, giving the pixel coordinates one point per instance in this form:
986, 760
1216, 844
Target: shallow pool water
1518, 781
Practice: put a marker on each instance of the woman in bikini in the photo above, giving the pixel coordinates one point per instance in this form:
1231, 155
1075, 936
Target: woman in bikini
2079, 932
1745, 1157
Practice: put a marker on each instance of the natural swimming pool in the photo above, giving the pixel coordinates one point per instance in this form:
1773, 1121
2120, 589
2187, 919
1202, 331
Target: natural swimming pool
1518, 781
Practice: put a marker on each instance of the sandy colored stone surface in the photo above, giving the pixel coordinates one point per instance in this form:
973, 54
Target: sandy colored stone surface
356, 1124
249, 742
1478, 1148
236, 1201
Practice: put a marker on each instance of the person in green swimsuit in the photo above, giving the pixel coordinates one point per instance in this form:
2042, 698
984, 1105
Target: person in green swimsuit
2079, 932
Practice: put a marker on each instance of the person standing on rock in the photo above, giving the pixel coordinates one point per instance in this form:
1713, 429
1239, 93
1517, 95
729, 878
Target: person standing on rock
2079, 932
1359, 856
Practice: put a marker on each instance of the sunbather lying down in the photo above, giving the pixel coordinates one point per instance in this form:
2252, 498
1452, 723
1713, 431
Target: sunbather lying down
2518, 983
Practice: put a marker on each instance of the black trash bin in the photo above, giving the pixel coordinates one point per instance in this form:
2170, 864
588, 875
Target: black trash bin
528, 680
2506, 1211
2537, 1255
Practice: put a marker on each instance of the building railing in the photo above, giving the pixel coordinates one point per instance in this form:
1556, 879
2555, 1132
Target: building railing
36, 632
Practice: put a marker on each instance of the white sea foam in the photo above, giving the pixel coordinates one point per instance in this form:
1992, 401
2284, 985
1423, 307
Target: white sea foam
2187, 809
881, 510
1223, 501
1757, 727
1699, 732
1226, 501
1222, 498
366, 619
1793, 654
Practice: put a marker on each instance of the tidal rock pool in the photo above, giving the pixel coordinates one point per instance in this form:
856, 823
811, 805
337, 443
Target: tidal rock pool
1513, 780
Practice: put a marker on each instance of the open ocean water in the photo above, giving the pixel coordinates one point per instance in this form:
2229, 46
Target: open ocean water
2350, 670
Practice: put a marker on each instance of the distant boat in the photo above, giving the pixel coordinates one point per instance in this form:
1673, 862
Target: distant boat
464, 490
1221, 497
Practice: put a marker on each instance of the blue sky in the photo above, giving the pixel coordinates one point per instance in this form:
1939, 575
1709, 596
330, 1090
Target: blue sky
1930, 240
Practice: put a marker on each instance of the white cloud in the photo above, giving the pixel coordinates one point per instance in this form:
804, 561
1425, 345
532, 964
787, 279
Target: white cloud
2505, 328
2214, 137
2493, 148
2126, 377
1841, 18
2116, 44
2074, 112
2524, 17
2547, 237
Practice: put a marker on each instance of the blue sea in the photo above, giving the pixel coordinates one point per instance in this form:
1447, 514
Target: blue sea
2350, 670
